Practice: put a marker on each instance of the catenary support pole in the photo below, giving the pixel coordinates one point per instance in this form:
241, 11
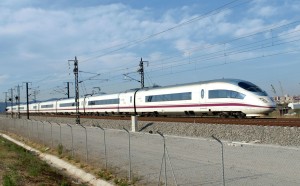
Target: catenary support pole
76, 89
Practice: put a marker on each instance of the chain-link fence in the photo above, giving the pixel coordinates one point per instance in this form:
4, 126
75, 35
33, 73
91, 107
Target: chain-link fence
157, 159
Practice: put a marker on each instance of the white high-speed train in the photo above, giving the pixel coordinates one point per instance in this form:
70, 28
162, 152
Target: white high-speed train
223, 97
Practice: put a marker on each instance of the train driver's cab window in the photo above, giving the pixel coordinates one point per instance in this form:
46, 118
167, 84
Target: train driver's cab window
252, 88
214, 94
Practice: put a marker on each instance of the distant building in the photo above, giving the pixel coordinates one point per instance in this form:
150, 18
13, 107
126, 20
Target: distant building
294, 105
286, 99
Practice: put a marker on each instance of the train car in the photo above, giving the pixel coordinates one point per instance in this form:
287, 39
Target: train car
67, 106
47, 107
33, 108
223, 97
107, 104
8, 110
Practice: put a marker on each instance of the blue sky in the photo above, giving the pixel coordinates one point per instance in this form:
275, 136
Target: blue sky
183, 41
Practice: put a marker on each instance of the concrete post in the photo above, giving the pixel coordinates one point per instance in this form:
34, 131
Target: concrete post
134, 123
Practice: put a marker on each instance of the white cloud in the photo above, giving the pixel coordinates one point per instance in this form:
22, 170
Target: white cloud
41, 39
14, 3
249, 26
263, 8
3, 78
267, 11
185, 45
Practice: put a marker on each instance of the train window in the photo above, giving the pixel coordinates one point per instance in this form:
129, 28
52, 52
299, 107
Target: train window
202, 93
130, 99
34, 107
21, 108
47, 106
252, 88
169, 97
225, 94
67, 104
104, 102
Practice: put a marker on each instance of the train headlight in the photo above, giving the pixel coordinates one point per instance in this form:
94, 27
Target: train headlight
264, 100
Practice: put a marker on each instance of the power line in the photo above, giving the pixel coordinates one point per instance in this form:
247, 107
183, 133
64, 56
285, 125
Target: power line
135, 42
236, 50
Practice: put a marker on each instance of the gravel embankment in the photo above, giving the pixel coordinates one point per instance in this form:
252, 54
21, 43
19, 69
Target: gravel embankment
285, 136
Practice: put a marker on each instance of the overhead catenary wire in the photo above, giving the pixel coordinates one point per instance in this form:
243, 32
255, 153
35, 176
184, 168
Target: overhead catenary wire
218, 44
135, 42
217, 55
226, 42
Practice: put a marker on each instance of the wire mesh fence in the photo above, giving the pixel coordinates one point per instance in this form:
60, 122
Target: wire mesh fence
157, 159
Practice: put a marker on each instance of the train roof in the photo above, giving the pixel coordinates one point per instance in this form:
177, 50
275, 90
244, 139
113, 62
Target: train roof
230, 81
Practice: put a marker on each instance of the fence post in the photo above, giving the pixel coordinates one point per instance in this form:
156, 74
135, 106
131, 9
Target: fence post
14, 124
27, 120
2, 124
51, 134
72, 140
171, 166
223, 171
37, 128
129, 154
43, 133
104, 145
24, 127
163, 159
86, 146
59, 133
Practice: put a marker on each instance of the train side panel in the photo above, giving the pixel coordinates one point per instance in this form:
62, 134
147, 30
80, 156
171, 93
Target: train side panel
103, 104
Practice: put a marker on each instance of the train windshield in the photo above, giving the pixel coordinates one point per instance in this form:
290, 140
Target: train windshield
252, 88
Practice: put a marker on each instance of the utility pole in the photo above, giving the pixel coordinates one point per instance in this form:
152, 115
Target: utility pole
5, 103
76, 89
141, 71
18, 100
11, 99
27, 99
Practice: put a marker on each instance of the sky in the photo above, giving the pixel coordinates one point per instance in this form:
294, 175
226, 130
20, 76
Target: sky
180, 41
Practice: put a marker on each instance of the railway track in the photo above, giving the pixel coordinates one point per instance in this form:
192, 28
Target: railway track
289, 122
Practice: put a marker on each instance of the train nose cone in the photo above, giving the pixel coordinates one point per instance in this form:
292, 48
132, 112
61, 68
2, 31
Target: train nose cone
268, 104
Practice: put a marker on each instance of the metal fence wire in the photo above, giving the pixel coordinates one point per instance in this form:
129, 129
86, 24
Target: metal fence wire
158, 159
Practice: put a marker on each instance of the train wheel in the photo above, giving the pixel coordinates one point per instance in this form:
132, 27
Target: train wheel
223, 115
241, 115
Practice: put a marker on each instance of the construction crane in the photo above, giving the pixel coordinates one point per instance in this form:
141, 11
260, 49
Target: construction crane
273, 89
281, 88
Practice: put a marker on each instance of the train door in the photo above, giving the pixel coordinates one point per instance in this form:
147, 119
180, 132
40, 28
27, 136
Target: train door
118, 107
123, 97
38, 107
83, 103
203, 99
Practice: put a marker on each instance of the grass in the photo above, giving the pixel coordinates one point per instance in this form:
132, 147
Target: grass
34, 170
20, 167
